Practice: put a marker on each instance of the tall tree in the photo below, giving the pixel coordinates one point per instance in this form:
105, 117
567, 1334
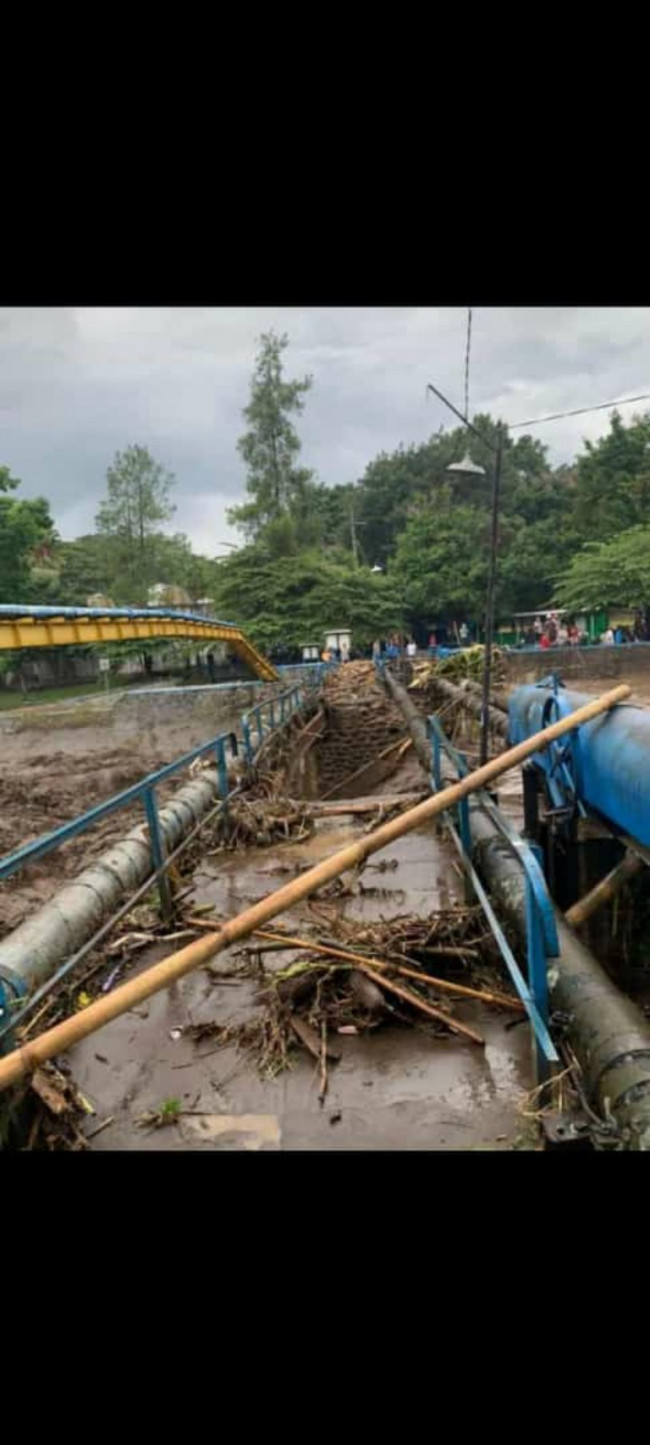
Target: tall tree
25, 526
270, 446
137, 502
613, 480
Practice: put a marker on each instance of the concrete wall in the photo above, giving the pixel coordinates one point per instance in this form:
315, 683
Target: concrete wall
198, 713
629, 663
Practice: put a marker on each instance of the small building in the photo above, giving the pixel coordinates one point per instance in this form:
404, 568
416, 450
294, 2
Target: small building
310, 652
590, 623
339, 640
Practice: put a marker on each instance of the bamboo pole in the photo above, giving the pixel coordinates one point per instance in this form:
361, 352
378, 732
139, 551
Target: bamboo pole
418, 1002
62, 1036
485, 996
605, 890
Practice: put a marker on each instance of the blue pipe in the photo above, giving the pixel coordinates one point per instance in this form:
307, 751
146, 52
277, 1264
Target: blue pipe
606, 768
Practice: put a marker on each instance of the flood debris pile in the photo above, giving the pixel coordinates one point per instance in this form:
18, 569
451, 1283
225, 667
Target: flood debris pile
50, 1112
358, 978
466, 663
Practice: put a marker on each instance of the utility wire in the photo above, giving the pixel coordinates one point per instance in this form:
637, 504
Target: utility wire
467, 351
536, 420
580, 411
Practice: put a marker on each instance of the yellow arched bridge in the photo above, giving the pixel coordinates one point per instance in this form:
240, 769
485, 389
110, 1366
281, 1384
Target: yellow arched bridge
80, 626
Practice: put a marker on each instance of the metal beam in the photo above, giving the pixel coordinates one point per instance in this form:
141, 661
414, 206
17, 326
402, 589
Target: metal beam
90, 626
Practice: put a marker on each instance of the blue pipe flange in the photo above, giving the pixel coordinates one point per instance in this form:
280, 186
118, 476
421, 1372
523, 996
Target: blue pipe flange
562, 762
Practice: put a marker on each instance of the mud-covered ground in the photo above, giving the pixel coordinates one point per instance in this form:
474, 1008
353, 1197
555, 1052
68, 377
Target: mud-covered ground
394, 1087
53, 770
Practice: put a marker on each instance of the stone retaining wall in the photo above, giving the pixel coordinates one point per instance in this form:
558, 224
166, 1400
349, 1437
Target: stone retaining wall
627, 663
356, 733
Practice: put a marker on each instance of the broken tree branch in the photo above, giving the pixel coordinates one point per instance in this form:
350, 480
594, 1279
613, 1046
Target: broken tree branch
484, 995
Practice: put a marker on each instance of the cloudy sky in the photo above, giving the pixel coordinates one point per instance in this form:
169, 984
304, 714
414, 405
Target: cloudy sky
78, 384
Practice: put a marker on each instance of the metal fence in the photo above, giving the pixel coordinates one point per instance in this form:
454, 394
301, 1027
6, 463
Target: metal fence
278, 712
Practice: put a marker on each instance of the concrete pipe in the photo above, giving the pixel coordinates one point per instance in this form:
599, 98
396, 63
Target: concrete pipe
34, 950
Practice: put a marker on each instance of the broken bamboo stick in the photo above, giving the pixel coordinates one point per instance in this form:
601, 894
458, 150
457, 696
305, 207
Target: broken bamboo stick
484, 995
605, 890
25, 1059
426, 1008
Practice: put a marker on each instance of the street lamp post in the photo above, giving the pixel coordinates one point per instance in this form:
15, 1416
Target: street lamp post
489, 609
469, 468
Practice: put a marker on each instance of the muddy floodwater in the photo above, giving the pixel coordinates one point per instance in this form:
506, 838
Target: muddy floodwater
394, 1088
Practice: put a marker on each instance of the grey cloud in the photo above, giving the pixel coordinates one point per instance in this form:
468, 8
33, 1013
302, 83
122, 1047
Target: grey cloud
76, 385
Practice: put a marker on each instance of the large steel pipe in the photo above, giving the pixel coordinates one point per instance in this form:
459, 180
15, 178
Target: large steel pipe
609, 1035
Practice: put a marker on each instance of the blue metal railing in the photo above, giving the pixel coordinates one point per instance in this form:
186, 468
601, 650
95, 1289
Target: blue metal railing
281, 709
145, 791
266, 716
286, 703
541, 932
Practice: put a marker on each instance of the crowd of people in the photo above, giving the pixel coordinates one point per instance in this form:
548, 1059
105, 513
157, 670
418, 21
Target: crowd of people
547, 630
397, 645
556, 631
553, 631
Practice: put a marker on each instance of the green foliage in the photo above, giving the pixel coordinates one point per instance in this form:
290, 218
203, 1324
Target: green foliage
613, 480
394, 487
288, 601
531, 561
441, 560
7, 482
86, 566
137, 502
24, 527
270, 446
606, 574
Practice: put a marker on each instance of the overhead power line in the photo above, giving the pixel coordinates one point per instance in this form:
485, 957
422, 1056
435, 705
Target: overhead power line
537, 420
580, 411
467, 351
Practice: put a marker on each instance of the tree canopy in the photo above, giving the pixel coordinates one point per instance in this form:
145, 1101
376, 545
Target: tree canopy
286, 602
137, 502
25, 526
278, 489
579, 532
606, 574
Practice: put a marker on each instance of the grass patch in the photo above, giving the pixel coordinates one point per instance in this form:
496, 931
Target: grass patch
12, 700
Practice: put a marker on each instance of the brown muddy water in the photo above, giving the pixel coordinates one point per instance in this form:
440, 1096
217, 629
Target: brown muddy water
394, 1088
